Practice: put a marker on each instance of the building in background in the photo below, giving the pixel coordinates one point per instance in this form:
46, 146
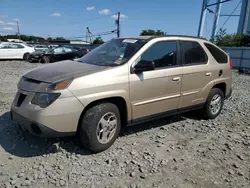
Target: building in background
79, 42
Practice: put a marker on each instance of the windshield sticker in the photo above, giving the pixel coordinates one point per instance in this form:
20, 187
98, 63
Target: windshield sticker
118, 61
129, 41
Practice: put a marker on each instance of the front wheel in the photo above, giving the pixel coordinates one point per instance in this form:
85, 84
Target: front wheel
100, 126
214, 104
45, 59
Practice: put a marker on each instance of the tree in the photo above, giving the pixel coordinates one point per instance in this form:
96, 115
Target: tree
152, 32
98, 40
60, 38
22, 37
228, 40
220, 35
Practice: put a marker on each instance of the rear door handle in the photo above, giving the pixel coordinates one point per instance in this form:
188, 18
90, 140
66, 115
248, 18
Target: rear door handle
176, 79
208, 74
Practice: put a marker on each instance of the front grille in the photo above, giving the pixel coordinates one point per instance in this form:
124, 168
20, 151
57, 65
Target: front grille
20, 99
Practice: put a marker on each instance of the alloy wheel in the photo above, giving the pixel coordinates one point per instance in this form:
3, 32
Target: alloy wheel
106, 128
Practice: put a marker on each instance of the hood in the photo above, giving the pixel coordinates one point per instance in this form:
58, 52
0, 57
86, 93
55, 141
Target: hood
62, 70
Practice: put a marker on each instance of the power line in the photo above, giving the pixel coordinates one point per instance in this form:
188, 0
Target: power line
103, 28
97, 34
230, 15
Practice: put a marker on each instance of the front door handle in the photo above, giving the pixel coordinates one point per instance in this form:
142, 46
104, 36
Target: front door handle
176, 79
208, 74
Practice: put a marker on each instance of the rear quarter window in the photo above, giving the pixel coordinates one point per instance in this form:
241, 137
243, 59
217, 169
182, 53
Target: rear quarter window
218, 54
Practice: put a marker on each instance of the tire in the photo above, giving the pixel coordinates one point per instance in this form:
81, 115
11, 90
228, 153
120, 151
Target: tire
90, 127
26, 56
215, 96
45, 59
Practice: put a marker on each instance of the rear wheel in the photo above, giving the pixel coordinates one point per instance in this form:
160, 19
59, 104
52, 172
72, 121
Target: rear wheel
26, 56
214, 104
45, 59
100, 126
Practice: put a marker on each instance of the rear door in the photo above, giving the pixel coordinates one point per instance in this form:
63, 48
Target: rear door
157, 91
58, 54
17, 51
69, 53
198, 73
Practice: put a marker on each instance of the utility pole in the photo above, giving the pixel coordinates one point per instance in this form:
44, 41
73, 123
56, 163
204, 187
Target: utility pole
202, 18
86, 35
90, 35
216, 18
18, 31
118, 24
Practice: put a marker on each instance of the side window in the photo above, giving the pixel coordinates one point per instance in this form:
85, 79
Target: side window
5, 46
68, 50
163, 54
16, 46
58, 50
218, 54
193, 53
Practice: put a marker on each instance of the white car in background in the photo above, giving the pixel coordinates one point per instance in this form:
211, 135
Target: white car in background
10, 50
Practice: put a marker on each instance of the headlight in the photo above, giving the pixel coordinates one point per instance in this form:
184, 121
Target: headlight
44, 99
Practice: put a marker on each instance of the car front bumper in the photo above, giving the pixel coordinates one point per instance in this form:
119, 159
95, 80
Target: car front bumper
34, 58
57, 120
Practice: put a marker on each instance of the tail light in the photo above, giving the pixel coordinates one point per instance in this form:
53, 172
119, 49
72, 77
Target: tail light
231, 64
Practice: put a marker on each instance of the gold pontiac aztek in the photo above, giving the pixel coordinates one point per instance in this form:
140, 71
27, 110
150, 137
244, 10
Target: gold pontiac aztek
123, 82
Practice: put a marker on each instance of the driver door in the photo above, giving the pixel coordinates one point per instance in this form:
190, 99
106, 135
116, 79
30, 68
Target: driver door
157, 91
5, 51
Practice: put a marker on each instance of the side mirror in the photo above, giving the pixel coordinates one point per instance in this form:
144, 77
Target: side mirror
143, 65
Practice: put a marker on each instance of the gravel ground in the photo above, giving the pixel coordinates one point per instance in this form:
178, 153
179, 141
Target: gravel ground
183, 151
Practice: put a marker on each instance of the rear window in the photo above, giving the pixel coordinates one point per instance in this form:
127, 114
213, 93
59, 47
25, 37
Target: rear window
218, 54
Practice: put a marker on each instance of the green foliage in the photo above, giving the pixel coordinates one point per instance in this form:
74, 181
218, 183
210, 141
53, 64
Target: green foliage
98, 40
231, 40
29, 38
59, 38
22, 37
150, 32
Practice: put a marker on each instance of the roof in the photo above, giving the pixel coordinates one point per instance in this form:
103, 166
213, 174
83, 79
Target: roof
154, 36
12, 43
183, 36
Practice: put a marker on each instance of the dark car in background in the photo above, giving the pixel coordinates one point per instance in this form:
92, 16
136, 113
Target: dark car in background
41, 47
55, 54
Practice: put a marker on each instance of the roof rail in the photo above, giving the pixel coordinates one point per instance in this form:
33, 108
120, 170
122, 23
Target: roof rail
184, 36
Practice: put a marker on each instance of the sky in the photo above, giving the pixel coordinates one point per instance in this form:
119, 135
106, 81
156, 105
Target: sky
69, 18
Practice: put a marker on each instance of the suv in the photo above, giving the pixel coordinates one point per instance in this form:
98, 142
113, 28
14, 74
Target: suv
125, 81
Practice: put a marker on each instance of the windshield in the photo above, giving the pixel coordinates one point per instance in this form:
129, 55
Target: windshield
114, 52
